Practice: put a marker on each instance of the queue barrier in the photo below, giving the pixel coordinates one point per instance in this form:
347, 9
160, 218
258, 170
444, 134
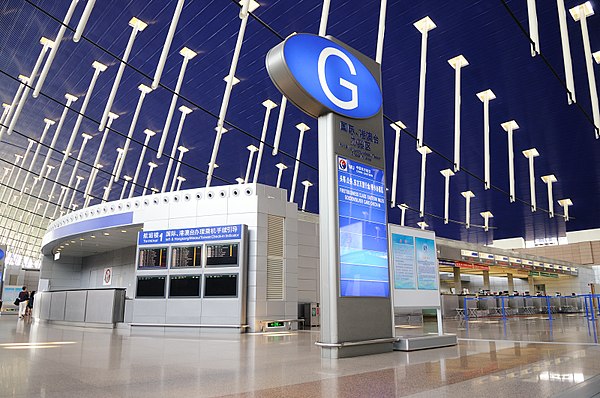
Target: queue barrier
505, 306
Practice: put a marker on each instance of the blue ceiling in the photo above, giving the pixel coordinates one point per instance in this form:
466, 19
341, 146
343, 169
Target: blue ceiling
485, 32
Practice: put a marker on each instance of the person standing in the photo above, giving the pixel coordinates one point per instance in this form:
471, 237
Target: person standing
30, 303
23, 301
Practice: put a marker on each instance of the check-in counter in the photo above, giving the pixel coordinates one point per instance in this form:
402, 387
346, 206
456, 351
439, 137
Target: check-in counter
81, 307
516, 305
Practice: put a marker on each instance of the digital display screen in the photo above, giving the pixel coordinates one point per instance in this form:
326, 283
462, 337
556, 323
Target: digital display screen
363, 230
184, 286
150, 286
222, 255
426, 264
186, 256
153, 258
224, 285
403, 260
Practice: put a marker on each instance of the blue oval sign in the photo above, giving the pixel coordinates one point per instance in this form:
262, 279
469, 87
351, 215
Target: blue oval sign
332, 75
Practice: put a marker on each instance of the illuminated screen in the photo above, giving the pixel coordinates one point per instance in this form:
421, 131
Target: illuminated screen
363, 230
150, 286
220, 285
223, 255
153, 258
186, 256
184, 286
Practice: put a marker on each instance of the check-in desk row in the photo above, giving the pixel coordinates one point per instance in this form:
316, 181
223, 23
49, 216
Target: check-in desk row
454, 305
81, 307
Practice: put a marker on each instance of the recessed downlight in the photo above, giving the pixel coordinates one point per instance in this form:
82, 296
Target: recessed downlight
124, 231
93, 236
106, 234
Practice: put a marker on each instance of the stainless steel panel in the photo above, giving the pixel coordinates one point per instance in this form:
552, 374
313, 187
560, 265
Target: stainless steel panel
75, 306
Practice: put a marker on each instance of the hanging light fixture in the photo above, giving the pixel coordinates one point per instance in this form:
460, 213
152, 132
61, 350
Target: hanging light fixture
423, 25
149, 133
252, 149
549, 180
510, 127
307, 184
397, 126
531, 154
225, 103
281, 167
580, 13
182, 150
457, 63
447, 173
136, 27
144, 90
424, 151
184, 112
269, 105
302, 128
467, 195
485, 97
187, 55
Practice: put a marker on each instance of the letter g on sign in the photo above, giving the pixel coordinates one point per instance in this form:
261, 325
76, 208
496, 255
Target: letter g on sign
325, 54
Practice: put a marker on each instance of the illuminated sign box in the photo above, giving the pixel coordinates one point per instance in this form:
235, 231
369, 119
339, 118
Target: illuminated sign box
469, 253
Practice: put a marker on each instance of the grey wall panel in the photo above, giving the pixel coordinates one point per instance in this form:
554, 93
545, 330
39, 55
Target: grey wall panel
184, 311
75, 306
57, 306
149, 310
221, 311
99, 306
42, 302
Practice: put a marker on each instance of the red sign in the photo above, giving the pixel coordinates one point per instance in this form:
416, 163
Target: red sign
461, 264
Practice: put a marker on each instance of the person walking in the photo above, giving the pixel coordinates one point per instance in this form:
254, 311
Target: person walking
23, 301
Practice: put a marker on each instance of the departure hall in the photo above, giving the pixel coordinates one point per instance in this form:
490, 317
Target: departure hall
313, 198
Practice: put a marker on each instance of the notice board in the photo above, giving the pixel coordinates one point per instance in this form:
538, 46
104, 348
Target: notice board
414, 269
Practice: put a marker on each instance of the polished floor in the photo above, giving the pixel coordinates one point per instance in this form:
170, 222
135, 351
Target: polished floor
519, 357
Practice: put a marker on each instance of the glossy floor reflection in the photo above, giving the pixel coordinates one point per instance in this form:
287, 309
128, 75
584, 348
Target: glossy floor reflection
39, 360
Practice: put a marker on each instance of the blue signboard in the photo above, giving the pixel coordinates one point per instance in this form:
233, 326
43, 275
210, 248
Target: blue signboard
363, 230
184, 235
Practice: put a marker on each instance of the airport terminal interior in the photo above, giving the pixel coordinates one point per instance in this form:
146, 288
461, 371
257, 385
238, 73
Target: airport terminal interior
313, 198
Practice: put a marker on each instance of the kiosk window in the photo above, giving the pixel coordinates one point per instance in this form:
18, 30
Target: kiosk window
220, 285
184, 286
150, 286
224, 255
186, 257
152, 258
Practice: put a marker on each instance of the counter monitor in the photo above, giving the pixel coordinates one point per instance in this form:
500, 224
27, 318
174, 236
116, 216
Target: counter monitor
150, 286
220, 285
222, 255
186, 256
152, 258
184, 286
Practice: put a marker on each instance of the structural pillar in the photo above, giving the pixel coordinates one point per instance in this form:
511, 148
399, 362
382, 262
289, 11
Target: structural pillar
531, 283
486, 280
457, 282
511, 283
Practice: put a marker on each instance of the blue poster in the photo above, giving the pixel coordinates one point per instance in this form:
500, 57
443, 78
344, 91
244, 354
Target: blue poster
364, 266
403, 260
427, 272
